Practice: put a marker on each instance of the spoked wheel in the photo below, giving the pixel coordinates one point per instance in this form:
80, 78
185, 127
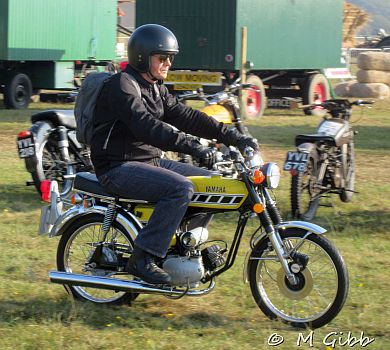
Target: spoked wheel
305, 194
322, 286
348, 161
77, 245
51, 167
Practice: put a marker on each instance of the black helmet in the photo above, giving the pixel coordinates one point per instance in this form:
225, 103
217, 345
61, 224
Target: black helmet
147, 40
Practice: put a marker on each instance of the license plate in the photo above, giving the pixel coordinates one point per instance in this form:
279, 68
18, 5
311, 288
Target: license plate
26, 147
296, 161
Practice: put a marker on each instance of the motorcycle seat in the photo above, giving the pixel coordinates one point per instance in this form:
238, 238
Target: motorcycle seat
88, 183
313, 138
58, 117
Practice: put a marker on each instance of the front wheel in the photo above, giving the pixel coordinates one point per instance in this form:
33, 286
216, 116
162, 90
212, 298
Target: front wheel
253, 100
305, 192
322, 285
75, 255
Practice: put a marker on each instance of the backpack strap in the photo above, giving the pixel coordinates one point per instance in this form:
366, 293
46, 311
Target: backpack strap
138, 89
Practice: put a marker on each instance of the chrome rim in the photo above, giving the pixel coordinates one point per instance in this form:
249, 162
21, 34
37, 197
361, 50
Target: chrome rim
316, 294
79, 249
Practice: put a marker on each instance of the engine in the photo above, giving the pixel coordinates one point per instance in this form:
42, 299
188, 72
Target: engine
187, 264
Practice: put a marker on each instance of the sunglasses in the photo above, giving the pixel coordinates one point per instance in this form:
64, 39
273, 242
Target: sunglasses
164, 58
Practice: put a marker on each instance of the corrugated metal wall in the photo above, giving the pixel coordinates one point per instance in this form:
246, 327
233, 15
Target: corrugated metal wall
60, 30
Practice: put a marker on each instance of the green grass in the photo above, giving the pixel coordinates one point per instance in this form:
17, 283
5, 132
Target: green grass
35, 314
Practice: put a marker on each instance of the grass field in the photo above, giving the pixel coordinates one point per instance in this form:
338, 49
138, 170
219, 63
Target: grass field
35, 314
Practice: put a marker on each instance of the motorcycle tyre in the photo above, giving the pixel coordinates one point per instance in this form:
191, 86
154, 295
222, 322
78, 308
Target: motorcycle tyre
297, 182
346, 193
332, 252
39, 175
127, 297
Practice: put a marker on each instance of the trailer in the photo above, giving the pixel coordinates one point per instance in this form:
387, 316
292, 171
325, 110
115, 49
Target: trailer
45, 43
289, 42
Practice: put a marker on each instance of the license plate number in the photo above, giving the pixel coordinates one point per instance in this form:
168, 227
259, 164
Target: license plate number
296, 161
26, 147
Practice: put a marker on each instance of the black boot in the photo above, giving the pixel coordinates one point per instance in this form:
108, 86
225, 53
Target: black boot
141, 264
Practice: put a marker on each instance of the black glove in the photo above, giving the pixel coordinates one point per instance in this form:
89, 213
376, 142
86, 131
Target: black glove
246, 141
207, 156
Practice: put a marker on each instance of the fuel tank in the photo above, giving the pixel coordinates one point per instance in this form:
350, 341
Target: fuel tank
337, 128
218, 112
214, 192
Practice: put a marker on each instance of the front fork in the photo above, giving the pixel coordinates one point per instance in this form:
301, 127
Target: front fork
269, 219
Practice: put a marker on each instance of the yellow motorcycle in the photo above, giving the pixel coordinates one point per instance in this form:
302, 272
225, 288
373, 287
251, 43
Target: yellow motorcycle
295, 273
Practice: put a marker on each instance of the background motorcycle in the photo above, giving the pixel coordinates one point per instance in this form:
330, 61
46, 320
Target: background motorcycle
222, 106
295, 273
51, 151
324, 162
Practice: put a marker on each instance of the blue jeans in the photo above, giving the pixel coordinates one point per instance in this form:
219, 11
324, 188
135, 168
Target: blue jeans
161, 181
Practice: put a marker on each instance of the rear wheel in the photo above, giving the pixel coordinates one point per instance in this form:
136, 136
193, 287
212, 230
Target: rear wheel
305, 194
322, 285
51, 167
76, 247
253, 101
18, 91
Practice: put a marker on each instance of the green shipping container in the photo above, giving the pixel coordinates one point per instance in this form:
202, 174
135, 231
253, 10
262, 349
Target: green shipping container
282, 34
57, 30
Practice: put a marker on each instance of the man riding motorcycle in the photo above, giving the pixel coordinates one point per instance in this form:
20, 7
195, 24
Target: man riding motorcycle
129, 133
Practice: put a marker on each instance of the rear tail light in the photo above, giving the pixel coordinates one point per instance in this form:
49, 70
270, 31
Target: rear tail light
24, 134
45, 190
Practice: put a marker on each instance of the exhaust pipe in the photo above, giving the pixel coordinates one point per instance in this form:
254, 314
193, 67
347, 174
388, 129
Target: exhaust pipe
134, 286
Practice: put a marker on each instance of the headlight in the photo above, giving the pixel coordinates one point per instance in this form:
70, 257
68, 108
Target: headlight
272, 174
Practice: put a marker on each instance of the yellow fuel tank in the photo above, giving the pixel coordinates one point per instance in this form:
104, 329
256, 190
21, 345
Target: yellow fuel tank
219, 113
218, 192
209, 192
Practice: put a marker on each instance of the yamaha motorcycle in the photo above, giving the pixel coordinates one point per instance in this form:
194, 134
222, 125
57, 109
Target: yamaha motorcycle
295, 273
51, 151
324, 162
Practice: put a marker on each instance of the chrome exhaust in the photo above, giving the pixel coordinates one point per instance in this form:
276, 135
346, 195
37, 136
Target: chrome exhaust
134, 286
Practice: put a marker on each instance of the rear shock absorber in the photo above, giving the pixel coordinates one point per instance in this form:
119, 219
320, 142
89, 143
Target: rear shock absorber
63, 143
108, 219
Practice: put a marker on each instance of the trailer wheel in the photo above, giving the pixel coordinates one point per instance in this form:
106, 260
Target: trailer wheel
316, 90
17, 91
253, 102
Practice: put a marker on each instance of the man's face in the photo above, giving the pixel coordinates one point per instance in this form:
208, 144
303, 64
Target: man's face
160, 64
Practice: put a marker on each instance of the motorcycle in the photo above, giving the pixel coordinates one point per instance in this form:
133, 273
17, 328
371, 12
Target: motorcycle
324, 162
295, 273
51, 151
224, 107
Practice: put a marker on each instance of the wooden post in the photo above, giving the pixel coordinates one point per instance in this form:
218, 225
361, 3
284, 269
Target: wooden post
244, 41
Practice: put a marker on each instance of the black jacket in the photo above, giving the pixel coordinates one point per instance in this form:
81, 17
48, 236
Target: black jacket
141, 127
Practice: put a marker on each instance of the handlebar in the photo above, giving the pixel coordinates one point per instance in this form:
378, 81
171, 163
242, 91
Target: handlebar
338, 104
218, 96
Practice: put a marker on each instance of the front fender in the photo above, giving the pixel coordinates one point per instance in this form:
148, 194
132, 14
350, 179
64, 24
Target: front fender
303, 225
126, 219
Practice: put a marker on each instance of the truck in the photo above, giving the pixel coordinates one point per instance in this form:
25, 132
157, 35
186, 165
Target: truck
45, 44
290, 44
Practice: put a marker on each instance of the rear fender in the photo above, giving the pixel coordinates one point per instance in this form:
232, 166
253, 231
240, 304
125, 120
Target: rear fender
306, 147
309, 227
126, 219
